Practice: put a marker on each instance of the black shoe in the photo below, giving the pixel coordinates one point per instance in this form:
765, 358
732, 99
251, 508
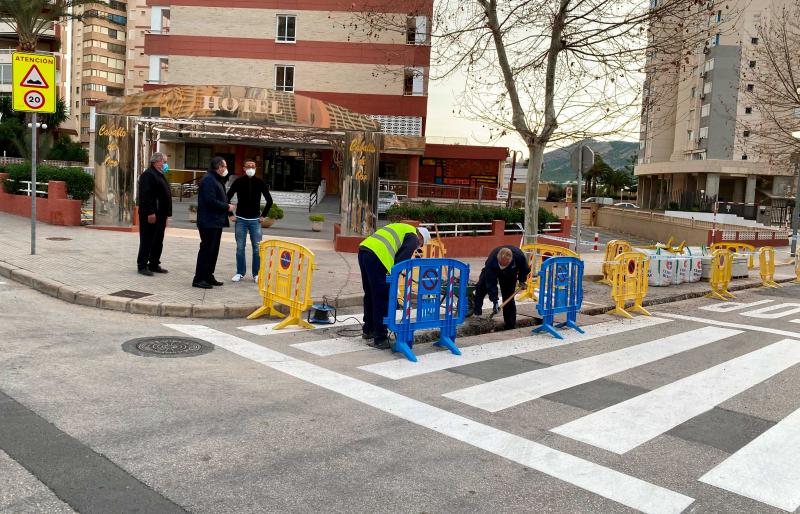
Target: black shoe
381, 344
367, 335
146, 272
202, 284
158, 269
214, 282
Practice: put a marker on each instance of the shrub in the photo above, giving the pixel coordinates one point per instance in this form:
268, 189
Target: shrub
427, 212
80, 185
316, 217
275, 212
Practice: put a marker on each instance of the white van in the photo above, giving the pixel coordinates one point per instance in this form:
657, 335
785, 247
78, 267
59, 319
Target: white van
602, 200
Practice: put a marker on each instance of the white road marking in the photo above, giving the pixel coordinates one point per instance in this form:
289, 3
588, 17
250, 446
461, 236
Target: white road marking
732, 306
622, 427
606, 482
765, 469
328, 347
740, 326
401, 368
507, 392
267, 329
784, 309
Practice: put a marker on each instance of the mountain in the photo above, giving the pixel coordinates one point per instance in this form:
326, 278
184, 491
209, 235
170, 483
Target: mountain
617, 154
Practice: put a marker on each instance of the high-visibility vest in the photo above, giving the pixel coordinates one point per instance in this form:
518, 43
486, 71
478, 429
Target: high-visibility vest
385, 242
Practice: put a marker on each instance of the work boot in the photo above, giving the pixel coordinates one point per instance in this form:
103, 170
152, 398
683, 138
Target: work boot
381, 344
367, 335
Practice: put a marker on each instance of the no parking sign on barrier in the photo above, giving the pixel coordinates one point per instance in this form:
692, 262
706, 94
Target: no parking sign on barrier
629, 282
440, 299
560, 292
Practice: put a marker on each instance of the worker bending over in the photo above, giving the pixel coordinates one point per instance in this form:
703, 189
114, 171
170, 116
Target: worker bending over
506, 265
394, 243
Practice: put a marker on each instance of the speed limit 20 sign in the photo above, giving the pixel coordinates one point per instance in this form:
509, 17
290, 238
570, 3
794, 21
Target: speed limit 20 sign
34, 77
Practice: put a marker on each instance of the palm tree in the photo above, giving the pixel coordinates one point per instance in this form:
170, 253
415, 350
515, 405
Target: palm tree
31, 18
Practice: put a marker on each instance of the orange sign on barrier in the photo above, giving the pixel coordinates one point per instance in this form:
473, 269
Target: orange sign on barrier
629, 282
285, 278
766, 260
742, 248
537, 254
614, 248
721, 273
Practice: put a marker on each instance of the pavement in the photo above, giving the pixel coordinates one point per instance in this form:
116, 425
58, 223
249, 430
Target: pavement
97, 268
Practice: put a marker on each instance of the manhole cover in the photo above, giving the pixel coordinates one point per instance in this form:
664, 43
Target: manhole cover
127, 293
167, 347
59, 239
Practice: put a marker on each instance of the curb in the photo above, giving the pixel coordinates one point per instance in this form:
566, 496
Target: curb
240, 311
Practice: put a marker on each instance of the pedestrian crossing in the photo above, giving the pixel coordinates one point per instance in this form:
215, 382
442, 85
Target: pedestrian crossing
762, 470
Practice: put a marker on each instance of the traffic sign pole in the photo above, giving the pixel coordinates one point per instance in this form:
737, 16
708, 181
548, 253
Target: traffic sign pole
34, 133
578, 213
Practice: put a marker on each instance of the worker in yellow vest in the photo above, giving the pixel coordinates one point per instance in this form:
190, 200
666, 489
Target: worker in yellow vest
396, 242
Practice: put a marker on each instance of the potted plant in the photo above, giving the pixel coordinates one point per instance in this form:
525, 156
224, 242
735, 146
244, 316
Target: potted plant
275, 213
316, 222
193, 213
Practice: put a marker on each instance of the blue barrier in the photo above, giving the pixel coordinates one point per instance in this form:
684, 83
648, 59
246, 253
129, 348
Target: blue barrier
560, 291
437, 289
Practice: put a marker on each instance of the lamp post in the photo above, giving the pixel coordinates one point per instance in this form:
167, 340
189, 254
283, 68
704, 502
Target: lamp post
511, 180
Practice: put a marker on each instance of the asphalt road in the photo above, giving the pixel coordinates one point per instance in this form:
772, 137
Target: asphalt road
692, 410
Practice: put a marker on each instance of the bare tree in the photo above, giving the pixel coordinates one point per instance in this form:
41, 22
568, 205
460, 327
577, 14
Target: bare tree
772, 85
553, 70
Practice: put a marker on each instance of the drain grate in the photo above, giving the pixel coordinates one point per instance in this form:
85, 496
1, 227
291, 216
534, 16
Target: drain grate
59, 238
167, 346
127, 293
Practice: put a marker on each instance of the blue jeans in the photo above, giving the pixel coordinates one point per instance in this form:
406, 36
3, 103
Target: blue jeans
242, 229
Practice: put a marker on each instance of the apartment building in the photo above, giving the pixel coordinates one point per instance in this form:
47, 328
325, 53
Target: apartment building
694, 140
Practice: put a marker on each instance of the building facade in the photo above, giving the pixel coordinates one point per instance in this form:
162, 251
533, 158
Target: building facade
695, 146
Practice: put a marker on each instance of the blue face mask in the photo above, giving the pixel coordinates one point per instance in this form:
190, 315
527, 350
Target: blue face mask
165, 168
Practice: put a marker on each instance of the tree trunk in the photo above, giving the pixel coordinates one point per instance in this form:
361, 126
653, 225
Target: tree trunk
535, 161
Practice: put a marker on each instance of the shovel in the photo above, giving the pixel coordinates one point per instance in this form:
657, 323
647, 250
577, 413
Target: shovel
500, 308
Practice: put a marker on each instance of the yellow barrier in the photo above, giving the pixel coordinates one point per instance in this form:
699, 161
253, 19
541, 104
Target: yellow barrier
766, 260
614, 248
797, 267
721, 273
435, 249
537, 254
742, 248
629, 282
285, 278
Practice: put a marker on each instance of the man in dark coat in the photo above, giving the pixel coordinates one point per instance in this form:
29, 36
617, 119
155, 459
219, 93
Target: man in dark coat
212, 217
155, 206
506, 265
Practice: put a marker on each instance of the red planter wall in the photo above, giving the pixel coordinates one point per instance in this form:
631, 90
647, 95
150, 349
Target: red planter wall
56, 209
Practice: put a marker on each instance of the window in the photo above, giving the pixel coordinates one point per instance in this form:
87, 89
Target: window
103, 74
707, 88
284, 78
748, 110
694, 92
705, 110
752, 64
750, 88
708, 65
159, 20
714, 40
158, 69
286, 28
746, 133
719, 16
690, 135
115, 91
699, 156
414, 82
754, 40
5, 74
744, 157
197, 157
416, 30
703, 132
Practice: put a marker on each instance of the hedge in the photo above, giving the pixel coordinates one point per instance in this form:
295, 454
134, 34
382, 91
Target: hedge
80, 185
427, 212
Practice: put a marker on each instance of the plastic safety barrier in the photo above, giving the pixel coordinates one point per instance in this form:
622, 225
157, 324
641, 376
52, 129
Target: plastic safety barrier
629, 282
285, 278
740, 248
721, 274
560, 292
435, 249
766, 260
440, 302
614, 248
537, 255
797, 267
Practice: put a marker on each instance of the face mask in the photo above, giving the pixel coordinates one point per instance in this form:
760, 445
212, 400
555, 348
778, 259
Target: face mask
250, 171
165, 168
225, 173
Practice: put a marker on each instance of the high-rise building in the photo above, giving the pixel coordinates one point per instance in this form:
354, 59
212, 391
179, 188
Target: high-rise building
694, 139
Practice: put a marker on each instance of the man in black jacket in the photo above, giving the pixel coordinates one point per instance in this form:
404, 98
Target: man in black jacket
248, 190
506, 265
155, 206
212, 210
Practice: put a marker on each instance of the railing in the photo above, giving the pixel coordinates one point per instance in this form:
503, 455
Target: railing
27, 189
446, 192
317, 194
458, 229
60, 164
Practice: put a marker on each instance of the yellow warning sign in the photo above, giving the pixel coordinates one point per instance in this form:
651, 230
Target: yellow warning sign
34, 82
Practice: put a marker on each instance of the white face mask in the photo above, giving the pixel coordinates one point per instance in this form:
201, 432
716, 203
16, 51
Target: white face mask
250, 171
225, 173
